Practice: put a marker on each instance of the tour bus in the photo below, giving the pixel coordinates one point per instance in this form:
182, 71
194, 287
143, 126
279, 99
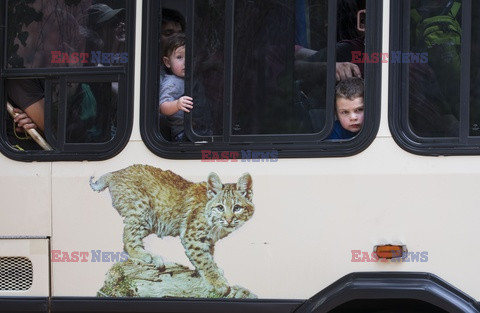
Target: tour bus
230, 194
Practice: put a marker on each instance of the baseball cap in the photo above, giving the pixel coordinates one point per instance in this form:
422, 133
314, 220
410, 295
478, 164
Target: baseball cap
101, 12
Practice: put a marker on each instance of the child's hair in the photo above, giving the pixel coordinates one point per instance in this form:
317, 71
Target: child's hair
173, 43
350, 88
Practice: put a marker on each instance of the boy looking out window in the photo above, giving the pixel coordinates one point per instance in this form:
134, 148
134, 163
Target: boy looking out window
348, 108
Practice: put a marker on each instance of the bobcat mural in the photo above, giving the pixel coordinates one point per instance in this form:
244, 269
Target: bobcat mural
152, 200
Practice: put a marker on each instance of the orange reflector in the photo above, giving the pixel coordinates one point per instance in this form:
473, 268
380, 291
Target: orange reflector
390, 251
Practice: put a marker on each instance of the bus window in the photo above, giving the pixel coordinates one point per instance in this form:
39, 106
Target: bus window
434, 78
475, 73
268, 95
90, 114
208, 68
66, 75
440, 74
261, 75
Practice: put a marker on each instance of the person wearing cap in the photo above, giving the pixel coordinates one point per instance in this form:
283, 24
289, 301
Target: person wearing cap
106, 28
101, 12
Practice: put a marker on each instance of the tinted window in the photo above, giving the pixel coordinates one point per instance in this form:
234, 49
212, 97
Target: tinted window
268, 94
67, 68
258, 73
434, 106
59, 33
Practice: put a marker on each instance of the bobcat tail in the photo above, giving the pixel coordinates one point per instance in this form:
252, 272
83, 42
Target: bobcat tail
101, 183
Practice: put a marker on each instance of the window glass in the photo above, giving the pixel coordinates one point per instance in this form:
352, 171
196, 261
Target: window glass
263, 70
255, 72
59, 33
434, 80
208, 67
270, 90
475, 72
435, 76
65, 71
90, 114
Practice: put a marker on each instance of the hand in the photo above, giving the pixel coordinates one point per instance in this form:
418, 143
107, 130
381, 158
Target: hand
185, 103
344, 70
23, 121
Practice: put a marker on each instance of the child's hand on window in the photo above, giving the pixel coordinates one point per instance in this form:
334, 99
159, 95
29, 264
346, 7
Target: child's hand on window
185, 103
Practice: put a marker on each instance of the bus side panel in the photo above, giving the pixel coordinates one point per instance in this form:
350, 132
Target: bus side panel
315, 220
25, 193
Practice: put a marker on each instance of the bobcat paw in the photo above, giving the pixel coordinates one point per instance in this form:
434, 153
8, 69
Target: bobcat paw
156, 261
240, 293
220, 290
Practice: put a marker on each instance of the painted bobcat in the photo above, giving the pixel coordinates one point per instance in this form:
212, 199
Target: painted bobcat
155, 201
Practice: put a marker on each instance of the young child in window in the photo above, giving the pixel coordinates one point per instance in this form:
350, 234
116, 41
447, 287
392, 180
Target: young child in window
348, 108
172, 101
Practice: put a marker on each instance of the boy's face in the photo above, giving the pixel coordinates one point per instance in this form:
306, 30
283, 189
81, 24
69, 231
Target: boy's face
176, 61
350, 113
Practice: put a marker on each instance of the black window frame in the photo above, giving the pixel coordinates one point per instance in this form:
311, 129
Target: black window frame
398, 118
286, 147
123, 74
